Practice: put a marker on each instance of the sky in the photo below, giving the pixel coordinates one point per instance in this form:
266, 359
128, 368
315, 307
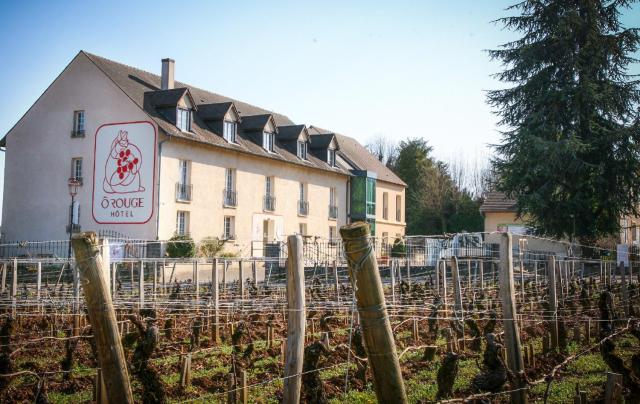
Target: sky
364, 69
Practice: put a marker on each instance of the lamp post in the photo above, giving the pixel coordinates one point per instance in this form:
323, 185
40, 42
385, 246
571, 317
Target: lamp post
73, 184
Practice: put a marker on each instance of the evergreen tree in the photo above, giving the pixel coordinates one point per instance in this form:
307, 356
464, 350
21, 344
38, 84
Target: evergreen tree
412, 165
435, 205
570, 152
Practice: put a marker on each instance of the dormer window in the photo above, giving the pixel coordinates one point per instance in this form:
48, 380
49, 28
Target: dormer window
331, 157
183, 119
229, 131
302, 150
268, 139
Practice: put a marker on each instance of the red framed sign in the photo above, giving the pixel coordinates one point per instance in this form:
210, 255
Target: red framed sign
124, 168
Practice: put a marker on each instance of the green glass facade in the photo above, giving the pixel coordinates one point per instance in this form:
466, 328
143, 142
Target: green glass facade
363, 198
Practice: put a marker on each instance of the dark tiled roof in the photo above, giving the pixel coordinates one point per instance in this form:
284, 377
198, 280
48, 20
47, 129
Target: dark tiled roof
135, 83
290, 132
358, 156
498, 202
214, 112
322, 141
143, 88
164, 98
255, 122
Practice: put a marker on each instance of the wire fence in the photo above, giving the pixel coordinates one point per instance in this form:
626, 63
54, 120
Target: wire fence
43, 295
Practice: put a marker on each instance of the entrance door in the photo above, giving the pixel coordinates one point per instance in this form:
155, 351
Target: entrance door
268, 228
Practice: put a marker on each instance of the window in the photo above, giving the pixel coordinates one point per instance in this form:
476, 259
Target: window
229, 182
302, 150
268, 139
229, 228
303, 204
183, 119
183, 167
268, 186
78, 124
398, 208
303, 229
332, 234
182, 223
229, 131
269, 198
303, 191
371, 196
76, 169
333, 208
183, 186
385, 205
331, 157
229, 192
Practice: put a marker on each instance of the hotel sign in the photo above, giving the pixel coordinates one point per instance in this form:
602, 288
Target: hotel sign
124, 173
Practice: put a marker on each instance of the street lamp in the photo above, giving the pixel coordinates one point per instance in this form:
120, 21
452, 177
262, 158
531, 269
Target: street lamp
73, 184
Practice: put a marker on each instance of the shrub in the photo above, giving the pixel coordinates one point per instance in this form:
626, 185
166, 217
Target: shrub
182, 246
228, 254
210, 247
398, 250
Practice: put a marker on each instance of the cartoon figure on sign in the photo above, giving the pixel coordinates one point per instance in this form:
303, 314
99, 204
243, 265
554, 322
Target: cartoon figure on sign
122, 168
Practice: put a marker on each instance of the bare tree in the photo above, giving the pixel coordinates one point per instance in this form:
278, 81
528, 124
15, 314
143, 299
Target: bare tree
385, 149
474, 175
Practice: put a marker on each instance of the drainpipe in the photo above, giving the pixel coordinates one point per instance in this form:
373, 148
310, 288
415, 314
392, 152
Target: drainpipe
159, 182
348, 213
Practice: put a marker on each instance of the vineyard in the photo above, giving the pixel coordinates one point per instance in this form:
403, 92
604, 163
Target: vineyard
511, 325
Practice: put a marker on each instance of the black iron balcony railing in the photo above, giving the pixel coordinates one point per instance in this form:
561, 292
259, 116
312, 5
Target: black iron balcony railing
229, 197
333, 212
303, 208
183, 192
269, 203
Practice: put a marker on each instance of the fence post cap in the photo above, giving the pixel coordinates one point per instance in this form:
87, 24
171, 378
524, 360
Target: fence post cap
355, 230
90, 236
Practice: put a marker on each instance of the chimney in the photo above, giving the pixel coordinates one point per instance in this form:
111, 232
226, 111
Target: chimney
168, 69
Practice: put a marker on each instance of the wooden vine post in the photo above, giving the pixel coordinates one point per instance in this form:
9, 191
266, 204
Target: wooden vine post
103, 318
296, 320
445, 308
336, 285
625, 291
241, 279
510, 322
437, 273
553, 300
216, 301
141, 285
374, 320
458, 311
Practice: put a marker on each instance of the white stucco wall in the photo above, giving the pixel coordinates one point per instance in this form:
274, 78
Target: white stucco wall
40, 149
392, 227
38, 165
206, 211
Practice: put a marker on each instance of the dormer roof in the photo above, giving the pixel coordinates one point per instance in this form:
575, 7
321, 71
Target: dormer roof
289, 133
259, 123
324, 141
169, 98
217, 111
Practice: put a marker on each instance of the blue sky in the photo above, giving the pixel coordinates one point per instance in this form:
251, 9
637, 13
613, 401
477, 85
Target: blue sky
400, 69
